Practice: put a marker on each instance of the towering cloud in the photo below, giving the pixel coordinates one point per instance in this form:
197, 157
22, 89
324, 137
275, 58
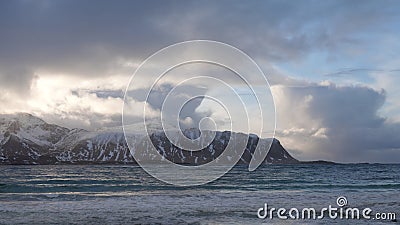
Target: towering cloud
341, 123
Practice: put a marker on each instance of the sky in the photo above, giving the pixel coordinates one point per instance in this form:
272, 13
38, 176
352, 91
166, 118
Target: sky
333, 66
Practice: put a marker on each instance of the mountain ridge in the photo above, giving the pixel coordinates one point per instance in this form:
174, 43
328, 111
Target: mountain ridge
26, 139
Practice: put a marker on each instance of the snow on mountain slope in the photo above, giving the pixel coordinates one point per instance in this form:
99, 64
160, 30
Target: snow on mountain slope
96, 147
25, 139
31, 128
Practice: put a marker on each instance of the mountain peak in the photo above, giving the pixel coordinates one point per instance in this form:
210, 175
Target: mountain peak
26, 139
24, 119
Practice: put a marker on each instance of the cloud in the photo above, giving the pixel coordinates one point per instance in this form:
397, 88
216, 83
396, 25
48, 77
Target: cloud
17, 80
389, 80
70, 61
70, 101
83, 39
340, 123
187, 115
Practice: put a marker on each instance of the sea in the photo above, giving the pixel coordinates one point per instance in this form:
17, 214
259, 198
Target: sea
126, 194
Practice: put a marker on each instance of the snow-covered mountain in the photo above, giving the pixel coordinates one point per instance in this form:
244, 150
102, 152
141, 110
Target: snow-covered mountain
25, 139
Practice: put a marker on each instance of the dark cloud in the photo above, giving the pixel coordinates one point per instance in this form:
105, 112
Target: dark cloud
82, 38
157, 97
344, 107
359, 71
17, 80
338, 123
108, 93
86, 38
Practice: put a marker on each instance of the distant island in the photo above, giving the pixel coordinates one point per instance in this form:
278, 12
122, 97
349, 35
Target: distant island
26, 139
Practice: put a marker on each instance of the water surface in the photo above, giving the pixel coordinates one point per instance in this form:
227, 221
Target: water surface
116, 194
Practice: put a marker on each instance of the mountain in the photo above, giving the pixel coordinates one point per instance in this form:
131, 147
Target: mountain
26, 139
